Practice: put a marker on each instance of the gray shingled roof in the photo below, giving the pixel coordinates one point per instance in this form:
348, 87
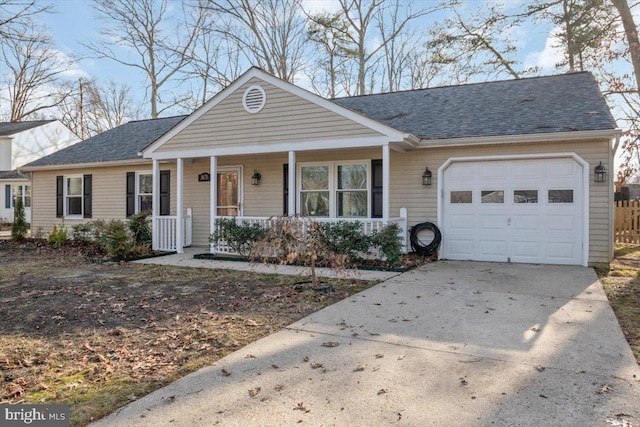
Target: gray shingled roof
10, 128
569, 102
14, 174
121, 143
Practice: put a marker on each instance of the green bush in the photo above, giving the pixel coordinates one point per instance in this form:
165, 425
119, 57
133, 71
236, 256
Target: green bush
240, 237
345, 238
19, 226
389, 243
58, 235
82, 233
141, 229
118, 239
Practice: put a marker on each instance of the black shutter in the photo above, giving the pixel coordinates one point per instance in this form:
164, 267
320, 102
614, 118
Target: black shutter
7, 196
376, 188
131, 194
87, 189
59, 196
165, 199
285, 186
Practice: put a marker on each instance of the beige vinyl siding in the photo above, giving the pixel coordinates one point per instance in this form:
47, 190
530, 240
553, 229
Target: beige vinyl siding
108, 194
285, 118
421, 201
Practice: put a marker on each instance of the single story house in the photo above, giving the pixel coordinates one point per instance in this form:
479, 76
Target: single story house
21, 143
513, 166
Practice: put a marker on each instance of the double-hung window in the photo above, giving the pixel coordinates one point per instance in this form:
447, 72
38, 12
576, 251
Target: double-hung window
22, 192
334, 189
144, 191
73, 196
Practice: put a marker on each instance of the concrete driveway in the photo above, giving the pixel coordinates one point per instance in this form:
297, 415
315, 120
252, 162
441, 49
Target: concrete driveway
451, 343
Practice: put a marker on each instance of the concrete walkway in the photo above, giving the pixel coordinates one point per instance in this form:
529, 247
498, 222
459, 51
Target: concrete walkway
186, 260
449, 344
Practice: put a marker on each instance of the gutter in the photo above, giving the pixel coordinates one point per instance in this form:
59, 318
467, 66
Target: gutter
519, 139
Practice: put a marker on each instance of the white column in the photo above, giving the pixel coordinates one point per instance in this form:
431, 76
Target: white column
155, 203
292, 184
213, 194
179, 206
385, 182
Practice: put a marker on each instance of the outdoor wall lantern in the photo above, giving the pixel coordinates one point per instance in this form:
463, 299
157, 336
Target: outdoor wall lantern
256, 177
600, 173
204, 177
426, 176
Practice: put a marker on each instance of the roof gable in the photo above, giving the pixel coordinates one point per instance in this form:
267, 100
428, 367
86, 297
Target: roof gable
291, 114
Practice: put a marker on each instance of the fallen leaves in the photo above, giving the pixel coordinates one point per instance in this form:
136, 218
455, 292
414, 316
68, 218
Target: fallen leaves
254, 391
604, 389
330, 344
300, 407
225, 372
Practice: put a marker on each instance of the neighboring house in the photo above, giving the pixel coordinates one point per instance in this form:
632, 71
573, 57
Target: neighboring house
513, 166
21, 143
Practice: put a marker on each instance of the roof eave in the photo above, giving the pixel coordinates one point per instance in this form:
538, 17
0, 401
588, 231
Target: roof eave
519, 139
84, 165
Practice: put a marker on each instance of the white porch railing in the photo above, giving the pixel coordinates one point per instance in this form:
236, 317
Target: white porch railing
369, 225
165, 232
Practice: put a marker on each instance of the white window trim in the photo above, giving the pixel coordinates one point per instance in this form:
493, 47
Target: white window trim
333, 185
22, 193
66, 197
137, 188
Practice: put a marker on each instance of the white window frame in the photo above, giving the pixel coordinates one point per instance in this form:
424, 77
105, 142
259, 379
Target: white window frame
137, 189
67, 196
333, 185
23, 195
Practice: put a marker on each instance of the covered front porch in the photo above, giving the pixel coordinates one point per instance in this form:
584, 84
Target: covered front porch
321, 185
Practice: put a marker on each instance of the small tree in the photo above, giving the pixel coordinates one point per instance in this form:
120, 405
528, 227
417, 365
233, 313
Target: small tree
19, 227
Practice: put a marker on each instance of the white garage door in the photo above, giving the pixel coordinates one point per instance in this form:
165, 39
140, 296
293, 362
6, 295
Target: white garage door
514, 211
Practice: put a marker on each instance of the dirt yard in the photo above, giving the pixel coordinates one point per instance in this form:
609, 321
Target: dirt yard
97, 336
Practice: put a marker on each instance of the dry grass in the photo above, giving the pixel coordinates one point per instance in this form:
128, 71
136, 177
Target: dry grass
97, 336
622, 285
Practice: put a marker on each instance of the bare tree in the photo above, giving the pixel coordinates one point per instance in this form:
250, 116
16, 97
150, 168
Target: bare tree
269, 33
15, 13
326, 31
363, 17
159, 45
34, 71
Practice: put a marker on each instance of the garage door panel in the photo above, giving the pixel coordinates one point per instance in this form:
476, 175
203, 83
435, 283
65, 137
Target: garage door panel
523, 223
518, 210
461, 248
493, 222
461, 222
493, 248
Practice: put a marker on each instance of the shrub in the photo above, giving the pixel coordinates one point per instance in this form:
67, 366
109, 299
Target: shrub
118, 239
389, 243
140, 228
58, 235
82, 233
19, 226
345, 238
241, 238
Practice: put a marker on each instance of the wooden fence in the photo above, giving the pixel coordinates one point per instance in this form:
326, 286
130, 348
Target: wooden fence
626, 223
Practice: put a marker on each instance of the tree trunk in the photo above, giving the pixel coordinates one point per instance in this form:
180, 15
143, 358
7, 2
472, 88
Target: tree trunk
631, 32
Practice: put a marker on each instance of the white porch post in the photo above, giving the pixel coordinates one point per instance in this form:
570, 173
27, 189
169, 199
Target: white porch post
385, 182
292, 184
179, 207
155, 204
213, 194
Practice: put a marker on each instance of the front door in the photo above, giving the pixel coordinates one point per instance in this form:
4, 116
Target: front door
229, 201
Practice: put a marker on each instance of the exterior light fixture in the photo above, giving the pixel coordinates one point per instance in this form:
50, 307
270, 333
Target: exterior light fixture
256, 177
600, 173
426, 176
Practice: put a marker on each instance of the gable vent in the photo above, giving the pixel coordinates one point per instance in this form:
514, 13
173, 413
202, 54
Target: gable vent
254, 99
